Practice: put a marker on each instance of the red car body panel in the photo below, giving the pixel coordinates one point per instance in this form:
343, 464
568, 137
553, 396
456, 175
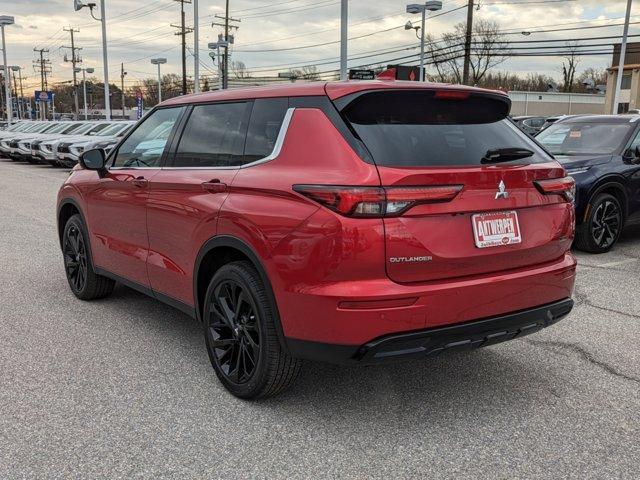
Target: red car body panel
330, 274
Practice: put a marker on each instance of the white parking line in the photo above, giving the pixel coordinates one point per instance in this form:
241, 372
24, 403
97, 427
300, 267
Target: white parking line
616, 264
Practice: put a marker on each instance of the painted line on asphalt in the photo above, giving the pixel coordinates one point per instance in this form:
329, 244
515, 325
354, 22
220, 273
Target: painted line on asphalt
618, 263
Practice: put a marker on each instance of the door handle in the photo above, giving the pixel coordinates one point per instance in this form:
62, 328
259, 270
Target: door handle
214, 186
140, 182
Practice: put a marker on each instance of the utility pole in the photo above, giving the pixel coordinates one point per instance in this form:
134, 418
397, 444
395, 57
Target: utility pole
22, 106
16, 96
467, 43
122, 74
42, 66
225, 42
75, 59
623, 51
344, 20
183, 33
196, 48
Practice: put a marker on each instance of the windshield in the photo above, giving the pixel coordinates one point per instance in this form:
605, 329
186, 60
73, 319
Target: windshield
58, 128
114, 129
585, 138
97, 129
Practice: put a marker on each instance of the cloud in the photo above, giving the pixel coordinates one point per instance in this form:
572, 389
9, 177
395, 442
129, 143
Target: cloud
140, 30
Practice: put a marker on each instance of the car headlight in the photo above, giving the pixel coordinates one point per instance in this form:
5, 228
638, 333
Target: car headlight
577, 170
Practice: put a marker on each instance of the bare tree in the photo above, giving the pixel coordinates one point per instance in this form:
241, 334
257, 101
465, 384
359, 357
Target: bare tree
239, 69
569, 65
489, 48
308, 72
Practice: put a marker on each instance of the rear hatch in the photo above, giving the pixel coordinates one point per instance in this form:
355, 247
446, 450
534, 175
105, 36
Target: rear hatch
467, 192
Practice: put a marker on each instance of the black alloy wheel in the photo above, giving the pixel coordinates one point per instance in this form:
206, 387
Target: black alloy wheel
601, 228
75, 258
234, 331
84, 282
606, 223
241, 333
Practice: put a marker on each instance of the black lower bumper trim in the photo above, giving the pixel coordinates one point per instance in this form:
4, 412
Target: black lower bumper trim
432, 342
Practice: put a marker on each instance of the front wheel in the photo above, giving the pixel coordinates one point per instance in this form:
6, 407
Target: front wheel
603, 225
85, 283
241, 336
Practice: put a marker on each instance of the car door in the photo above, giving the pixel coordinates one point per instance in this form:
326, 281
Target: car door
632, 173
186, 195
117, 202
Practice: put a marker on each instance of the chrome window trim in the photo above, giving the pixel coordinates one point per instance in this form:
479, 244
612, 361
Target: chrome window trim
284, 128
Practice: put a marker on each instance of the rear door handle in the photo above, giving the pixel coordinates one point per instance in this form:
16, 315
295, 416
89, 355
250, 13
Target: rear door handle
214, 186
140, 182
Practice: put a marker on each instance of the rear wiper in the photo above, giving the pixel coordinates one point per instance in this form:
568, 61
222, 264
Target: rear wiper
505, 155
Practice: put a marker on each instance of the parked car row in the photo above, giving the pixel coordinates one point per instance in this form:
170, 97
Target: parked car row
533, 125
59, 143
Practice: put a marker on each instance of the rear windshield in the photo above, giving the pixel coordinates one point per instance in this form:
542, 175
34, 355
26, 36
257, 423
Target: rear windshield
585, 138
417, 129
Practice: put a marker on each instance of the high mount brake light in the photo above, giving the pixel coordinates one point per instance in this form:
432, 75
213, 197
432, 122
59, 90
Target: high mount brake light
376, 202
451, 95
566, 187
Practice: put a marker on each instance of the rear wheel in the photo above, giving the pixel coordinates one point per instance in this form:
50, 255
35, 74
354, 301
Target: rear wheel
603, 225
85, 283
241, 336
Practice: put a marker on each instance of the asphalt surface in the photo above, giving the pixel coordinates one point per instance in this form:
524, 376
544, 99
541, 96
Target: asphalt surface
123, 388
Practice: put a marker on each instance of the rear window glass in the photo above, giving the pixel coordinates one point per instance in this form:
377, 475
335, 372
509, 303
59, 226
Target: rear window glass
411, 129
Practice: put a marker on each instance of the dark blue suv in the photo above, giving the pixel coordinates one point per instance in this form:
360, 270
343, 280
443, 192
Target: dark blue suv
602, 153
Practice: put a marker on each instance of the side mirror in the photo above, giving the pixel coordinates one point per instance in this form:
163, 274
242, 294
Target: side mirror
93, 159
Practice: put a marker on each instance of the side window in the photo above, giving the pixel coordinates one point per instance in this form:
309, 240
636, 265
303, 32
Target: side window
214, 136
144, 147
266, 119
636, 142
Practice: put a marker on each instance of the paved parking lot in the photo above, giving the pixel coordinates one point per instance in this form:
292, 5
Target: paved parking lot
123, 388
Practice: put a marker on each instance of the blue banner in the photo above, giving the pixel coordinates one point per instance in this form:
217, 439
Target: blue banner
139, 104
43, 96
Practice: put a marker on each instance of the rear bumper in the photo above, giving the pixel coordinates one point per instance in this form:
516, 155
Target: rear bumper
434, 341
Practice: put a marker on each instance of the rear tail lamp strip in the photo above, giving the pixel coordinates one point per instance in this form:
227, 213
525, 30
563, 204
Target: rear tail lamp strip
376, 202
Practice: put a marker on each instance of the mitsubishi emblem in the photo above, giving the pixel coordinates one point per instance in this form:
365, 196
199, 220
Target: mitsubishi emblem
502, 191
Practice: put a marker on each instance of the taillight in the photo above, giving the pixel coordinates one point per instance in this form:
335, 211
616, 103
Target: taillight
368, 202
565, 187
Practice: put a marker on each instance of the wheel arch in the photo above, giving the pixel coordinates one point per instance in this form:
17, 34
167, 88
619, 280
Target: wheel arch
614, 186
66, 209
215, 253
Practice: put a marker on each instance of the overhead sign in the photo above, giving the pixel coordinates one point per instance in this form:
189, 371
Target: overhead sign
361, 74
42, 96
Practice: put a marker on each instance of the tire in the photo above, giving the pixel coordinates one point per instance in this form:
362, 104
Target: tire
241, 336
603, 225
84, 282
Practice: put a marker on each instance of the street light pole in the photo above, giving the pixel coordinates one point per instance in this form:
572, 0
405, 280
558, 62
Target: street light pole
158, 62
424, 17
432, 6
78, 5
84, 88
4, 21
196, 49
344, 20
623, 51
107, 100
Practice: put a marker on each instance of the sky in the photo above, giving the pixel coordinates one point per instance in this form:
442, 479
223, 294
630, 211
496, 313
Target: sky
273, 36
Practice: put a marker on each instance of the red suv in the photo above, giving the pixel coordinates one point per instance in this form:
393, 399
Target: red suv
350, 222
